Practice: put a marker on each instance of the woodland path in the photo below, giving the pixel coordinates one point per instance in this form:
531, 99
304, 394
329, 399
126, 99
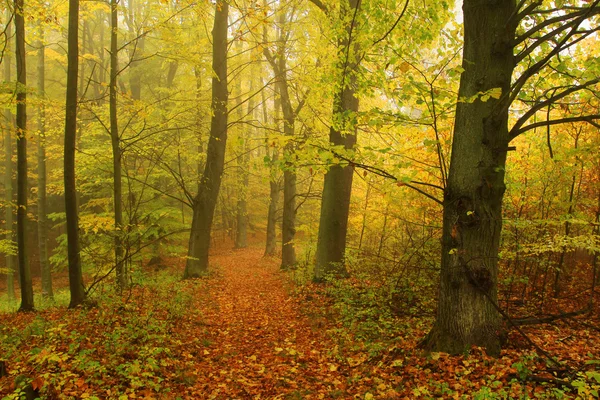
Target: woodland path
260, 345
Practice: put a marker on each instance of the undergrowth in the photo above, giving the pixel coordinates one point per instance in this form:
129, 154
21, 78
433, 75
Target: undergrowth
125, 343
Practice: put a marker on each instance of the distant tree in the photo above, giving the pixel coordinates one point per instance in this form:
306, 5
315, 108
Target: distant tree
78, 294
498, 38
208, 191
24, 271
274, 179
278, 62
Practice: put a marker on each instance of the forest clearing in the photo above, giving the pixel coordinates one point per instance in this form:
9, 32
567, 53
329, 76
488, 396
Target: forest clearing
300, 199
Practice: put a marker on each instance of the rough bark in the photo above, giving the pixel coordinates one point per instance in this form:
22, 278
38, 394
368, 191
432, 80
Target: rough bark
115, 140
337, 187
208, 193
47, 290
8, 184
24, 271
472, 220
77, 290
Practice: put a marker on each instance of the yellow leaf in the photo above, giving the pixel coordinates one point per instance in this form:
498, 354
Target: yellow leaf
369, 396
333, 367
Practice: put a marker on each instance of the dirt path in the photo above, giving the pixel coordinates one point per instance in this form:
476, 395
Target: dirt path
257, 344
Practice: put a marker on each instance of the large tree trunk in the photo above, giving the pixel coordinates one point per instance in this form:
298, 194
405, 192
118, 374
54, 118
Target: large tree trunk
208, 193
76, 287
8, 184
41, 169
467, 313
24, 271
337, 188
116, 149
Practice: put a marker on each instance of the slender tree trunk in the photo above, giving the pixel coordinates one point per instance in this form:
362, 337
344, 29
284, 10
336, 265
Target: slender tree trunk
472, 220
274, 187
76, 287
206, 199
563, 253
337, 188
364, 216
8, 184
41, 169
24, 271
288, 226
241, 232
115, 139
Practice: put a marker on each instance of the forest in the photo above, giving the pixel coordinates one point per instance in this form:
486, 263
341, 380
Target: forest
300, 199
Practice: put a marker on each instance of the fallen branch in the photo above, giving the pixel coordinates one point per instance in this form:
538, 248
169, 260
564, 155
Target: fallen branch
548, 319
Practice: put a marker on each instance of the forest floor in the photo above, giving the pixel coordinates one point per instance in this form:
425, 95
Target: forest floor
248, 332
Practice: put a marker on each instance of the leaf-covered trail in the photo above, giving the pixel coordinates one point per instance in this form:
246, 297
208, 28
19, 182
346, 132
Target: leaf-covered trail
257, 344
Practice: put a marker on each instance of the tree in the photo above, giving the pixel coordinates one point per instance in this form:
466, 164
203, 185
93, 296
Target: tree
41, 170
274, 179
8, 186
24, 271
498, 38
78, 294
278, 62
208, 191
337, 188
116, 147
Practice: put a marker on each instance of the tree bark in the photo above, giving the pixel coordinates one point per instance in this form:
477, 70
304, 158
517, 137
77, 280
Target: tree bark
8, 184
288, 226
115, 140
47, 290
274, 189
24, 271
208, 193
243, 160
337, 187
76, 287
472, 220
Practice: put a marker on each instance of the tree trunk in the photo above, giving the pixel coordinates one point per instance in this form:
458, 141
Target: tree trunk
115, 139
472, 220
8, 184
337, 188
76, 287
208, 193
274, 187
288, 226
243, 160
24, 271
41, 169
